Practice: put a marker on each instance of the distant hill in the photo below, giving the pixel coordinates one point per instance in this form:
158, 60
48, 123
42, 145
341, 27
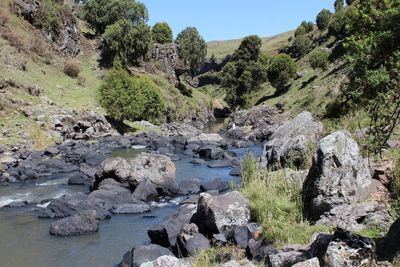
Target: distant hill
270, 45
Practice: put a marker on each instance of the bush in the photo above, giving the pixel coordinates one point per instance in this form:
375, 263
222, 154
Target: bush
102, 13
319, 58
126, 97
162, 33
71, 69
281, 71
38, 46
276, 203
192, 48
339, 4
14, 39
323, 19
301, 45
3, 19
125, 44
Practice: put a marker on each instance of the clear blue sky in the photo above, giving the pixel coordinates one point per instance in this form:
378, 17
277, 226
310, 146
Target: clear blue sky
233, 19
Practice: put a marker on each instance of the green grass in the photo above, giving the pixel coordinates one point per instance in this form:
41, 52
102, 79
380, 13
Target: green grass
373, 232
210, 257
276, 204
270, 45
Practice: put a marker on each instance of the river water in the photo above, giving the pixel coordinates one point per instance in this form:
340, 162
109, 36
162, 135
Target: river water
25, 239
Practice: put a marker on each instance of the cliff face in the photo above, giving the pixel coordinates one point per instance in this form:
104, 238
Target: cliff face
56, 22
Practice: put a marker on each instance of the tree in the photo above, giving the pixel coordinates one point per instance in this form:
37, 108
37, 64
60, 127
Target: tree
308, 26
128, 98
102, 13
126, 44
192, 48
373, 43
245, 73
337, 25
323, 19
249, 48
282, 69
162, 33
319, 58
339, 4
301, 45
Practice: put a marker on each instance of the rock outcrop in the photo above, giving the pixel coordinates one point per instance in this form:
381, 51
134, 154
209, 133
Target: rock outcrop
289, 146
338, 176
66, 38
143, 254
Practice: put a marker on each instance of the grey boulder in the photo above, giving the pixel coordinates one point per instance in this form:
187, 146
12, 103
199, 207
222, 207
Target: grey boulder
79, 224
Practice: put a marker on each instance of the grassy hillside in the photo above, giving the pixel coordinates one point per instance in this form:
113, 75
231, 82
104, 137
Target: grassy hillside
270, 45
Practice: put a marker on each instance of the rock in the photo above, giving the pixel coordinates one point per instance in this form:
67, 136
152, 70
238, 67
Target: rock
220, 164
289, 255
67, 206
189, 186
165, 233
259, 248
234, 263
289, 145
338, 176
211, 152
166, 261
389, 247
111, 182
190, 244
143, 254
51, 151
146, 191
79, 178
349, 250
158, 168
198, 161
79, 224
215, 213
314, 262
130, 208
214, 184
355, 217
112, 197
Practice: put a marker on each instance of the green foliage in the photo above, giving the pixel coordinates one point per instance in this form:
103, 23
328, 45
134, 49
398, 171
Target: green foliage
212, 257
281, 71
339, 4
319, 58
162, 33
323, 19
131, 98
304, 28
192, 48
395, 186
338, 22
301, 45
246, 71
276, 203
102, 13
125, 43
374, 57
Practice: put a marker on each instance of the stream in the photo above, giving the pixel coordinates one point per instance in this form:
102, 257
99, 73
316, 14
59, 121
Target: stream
26, 240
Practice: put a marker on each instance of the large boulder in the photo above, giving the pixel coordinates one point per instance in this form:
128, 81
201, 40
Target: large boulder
166, 261
143, 254
166, 232
289, 146
356, 217
79, 224
190, 241
159, 169
389, 247
338, 176
216, 213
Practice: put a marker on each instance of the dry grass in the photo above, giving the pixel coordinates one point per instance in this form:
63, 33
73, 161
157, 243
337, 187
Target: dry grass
3, 19
38, 46
40, 137
217, 255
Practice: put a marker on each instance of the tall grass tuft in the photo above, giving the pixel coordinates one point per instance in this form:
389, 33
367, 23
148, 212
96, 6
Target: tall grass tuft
276, 204
217, 255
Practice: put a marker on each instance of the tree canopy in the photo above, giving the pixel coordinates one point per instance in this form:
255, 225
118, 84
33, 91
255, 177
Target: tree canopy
282, 69
162, 33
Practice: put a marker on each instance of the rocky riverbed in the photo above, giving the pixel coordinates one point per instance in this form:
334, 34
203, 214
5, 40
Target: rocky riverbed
85, 203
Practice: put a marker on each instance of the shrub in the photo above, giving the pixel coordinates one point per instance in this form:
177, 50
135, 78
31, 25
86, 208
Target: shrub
71, 69
3, 19
319, 58
125, 43
102, 13
276, 203
323, 19
339, 4
192, 48
301, 45
282, 69
14, 39
396, 188
126, 97
162, 33
38, 46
